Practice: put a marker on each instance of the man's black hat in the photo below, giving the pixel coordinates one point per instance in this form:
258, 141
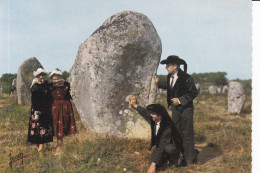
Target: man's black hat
159, 110
175, 60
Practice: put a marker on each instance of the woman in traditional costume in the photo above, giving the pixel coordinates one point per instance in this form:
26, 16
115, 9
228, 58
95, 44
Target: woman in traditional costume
63, 117
40, 121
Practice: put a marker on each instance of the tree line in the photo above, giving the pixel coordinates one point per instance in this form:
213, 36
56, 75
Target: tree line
7, 79
214, 78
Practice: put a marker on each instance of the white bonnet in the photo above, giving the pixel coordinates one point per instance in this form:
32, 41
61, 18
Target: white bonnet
55, 72
39, 71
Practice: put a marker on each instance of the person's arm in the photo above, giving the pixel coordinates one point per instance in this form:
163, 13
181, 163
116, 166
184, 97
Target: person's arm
35, 96
141, 110
161, 84
68, 95
144, 113
191, 93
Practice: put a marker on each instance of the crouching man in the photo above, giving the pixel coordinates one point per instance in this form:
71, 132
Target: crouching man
165, 136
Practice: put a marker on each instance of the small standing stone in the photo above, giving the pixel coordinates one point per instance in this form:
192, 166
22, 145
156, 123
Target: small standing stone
24, 79
198, 87
212, 89
236, 97
219, 89
225, 89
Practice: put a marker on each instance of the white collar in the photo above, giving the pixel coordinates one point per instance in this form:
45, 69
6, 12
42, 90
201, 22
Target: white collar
175, 75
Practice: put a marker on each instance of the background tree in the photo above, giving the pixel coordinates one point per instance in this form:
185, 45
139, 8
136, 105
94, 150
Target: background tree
6, 81
217, 78
64, 75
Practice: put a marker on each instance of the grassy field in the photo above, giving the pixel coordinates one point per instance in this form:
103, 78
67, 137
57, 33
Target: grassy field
224, 142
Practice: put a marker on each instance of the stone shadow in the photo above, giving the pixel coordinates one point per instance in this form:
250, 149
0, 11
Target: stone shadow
208, 153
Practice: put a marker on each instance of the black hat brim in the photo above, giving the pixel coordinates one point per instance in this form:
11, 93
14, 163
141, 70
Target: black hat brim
164, 62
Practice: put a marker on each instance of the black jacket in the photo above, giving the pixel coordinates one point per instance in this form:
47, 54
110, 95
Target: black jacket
184, 89
167, 134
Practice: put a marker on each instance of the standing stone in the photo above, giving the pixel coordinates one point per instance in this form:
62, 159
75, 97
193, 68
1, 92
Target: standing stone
14, 85
212, 89
236, 97
198, 87
225, 89
219, 89
162, 91
203, 88
120, 58
14, 82
24, 79
1, 89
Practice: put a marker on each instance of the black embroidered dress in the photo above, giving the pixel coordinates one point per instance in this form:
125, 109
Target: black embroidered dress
40, 122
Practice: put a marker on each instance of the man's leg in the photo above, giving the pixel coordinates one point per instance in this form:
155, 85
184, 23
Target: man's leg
187, 130
171, 154
176, 118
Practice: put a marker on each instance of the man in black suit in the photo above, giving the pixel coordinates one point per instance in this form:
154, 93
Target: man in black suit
181, 91
165, 135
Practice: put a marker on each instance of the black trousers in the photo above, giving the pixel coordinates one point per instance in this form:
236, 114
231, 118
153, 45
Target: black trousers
170, 153
183, 119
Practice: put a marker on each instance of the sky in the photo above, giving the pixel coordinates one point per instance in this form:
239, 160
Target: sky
211, 35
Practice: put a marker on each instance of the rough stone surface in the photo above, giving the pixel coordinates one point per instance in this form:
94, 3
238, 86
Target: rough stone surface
212, 89
1, 89
161, 91
24, 79
120, 58
219, 88
236, 97
225, 89
198, 87
14, 82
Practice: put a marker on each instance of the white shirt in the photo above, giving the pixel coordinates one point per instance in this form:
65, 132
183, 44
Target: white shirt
174, 78
157, 126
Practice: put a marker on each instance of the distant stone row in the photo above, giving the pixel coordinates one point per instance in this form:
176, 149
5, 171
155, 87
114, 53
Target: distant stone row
212, 89
235, 90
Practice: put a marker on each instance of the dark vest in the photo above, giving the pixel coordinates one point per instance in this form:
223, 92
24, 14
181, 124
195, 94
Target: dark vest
180, 88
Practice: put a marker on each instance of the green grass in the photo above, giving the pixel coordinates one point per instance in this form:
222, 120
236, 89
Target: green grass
224, 142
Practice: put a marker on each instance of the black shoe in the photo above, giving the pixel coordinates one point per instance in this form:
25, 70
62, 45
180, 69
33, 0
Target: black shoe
196, 156
181, 163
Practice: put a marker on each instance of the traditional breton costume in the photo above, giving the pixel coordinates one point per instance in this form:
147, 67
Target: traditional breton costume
40, 121
63, 117
181, 86
165, 136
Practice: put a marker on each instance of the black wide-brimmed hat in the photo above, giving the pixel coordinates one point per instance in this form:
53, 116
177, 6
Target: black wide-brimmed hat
159, 110
173, 59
